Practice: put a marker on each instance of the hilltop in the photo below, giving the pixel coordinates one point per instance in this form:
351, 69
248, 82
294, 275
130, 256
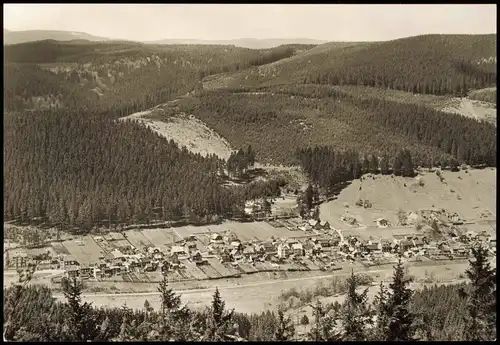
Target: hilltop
432, 64
15, 37
251, 43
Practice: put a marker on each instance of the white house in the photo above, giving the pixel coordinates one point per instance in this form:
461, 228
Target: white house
283, 250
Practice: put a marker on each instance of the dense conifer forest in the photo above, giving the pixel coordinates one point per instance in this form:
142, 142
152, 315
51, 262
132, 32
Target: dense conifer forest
72, 164
277, 121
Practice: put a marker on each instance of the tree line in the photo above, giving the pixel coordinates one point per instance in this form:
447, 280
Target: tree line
397, 313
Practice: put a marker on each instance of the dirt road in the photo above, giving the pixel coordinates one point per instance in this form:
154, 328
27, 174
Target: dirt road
258, 296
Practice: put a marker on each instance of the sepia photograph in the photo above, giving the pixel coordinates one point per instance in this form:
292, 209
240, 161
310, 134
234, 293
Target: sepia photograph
249, 172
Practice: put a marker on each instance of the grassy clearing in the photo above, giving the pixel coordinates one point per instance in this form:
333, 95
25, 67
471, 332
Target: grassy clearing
467, 193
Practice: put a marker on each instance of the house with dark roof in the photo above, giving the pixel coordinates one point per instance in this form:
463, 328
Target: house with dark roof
248, 251
198, 259
298, 249
308, 249
225, 256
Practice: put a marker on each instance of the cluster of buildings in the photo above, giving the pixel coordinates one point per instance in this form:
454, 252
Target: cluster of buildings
317, 242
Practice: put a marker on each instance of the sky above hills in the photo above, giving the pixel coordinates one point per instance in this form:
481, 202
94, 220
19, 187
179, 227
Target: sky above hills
147, 22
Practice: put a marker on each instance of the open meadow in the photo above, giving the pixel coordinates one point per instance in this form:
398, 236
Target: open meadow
470, 194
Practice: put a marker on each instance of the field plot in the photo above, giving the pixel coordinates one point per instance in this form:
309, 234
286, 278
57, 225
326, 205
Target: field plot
376, 232
87, 253
59, 248
160, 237
221, 228
223, 270
18, 252
262, 266
188, 230
153, 276
106, 247
142, 277
43, 250
113, 236
310, 265
209, 271
137, 239
129, 277
185, 274
120, 244
258, 230
293, 267
247, 268
194, 271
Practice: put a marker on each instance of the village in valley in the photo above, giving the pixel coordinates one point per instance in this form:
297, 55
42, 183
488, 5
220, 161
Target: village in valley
232, 249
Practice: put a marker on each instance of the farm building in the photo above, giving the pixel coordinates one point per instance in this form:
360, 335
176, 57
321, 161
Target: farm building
117, 254
231, 237
216, 238
248, 251
308, 249
225, 256
236, 245
298, 249
198, 259
283, 250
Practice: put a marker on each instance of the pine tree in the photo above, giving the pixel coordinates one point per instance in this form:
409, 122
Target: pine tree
365, 165
384, 166
173, 316
481, 301
407, 164
308, 197
374, 164
380, 304
325, 325
218, 319
356, 169
356, 312
80, 320
285, 329
400, 324
397, 165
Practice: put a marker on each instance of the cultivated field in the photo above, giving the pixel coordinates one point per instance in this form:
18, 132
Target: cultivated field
470, 194
85, 250
160, 237
247, 296
137, 239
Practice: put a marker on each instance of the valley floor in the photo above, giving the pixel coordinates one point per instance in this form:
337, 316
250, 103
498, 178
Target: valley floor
258, 296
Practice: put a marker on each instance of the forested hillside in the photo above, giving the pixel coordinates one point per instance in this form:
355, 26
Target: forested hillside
75, 170
431, 64
65, 157
72, 165
279, 120
98, 75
